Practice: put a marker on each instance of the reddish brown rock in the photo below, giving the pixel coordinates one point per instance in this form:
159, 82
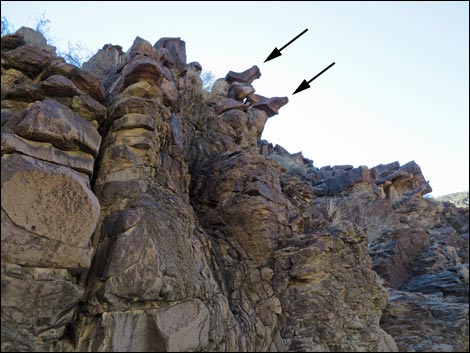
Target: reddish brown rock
29, 92
119, 222
142, 68
29, 59
142, 47
205, 238
262, 203
271, 105
393, 257
49, 121
130, 105
321, 269
89, 109
401, 184
256, 98
105, 61
234, 124
11, 41
164, 57
134, 121
52, 297
39, 208
59, 86
80, 161
386, 169
257, 120
170, 93
176, 49
227, 104
240, 91
247, 76
297, 190
115, 190
82, 79
195, 66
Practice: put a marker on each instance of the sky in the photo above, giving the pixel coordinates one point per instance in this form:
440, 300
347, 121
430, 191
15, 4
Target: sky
399, 89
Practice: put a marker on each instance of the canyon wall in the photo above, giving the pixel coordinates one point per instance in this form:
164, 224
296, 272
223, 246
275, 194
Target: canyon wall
143, 213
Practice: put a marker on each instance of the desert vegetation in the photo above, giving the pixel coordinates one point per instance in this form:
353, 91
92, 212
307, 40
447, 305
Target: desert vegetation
459, 199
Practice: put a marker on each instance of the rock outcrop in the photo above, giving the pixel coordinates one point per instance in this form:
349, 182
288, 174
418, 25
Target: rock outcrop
142, 213
418, 246
49, 212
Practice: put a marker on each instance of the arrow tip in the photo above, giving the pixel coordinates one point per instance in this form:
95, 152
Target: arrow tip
275, 53
304, 85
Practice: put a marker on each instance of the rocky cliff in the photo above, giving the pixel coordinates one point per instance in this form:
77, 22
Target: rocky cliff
142, 213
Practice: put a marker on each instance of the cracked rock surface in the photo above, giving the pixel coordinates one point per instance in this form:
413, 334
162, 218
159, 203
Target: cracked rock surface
142, 213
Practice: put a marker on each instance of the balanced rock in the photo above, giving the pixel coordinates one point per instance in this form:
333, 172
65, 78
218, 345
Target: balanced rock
247, 76
271, 105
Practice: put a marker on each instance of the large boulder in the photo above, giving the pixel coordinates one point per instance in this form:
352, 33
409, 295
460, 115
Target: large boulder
57, 205
48, 216
247, 76
36, 38
50, 121
27, 58
173, 51
105, 61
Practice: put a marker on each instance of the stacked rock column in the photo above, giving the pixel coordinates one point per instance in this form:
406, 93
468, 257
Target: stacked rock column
150, 277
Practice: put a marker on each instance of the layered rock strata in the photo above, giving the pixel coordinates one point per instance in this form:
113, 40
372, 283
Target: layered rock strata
50, 142
142, 213
418, 246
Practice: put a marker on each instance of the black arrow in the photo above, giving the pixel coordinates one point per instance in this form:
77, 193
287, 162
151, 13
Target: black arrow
277, 52
305, 84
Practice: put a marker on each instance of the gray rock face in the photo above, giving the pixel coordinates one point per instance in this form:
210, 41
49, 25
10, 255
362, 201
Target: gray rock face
427, 322
419, 247
38, 249
142, 213
320, 269
42, 318
183, 327
35, 38
105, 61
448, 282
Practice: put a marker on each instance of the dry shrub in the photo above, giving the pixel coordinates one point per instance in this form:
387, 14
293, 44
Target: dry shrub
290, 165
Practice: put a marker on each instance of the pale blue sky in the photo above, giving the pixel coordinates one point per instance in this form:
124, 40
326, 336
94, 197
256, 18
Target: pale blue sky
399, 89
